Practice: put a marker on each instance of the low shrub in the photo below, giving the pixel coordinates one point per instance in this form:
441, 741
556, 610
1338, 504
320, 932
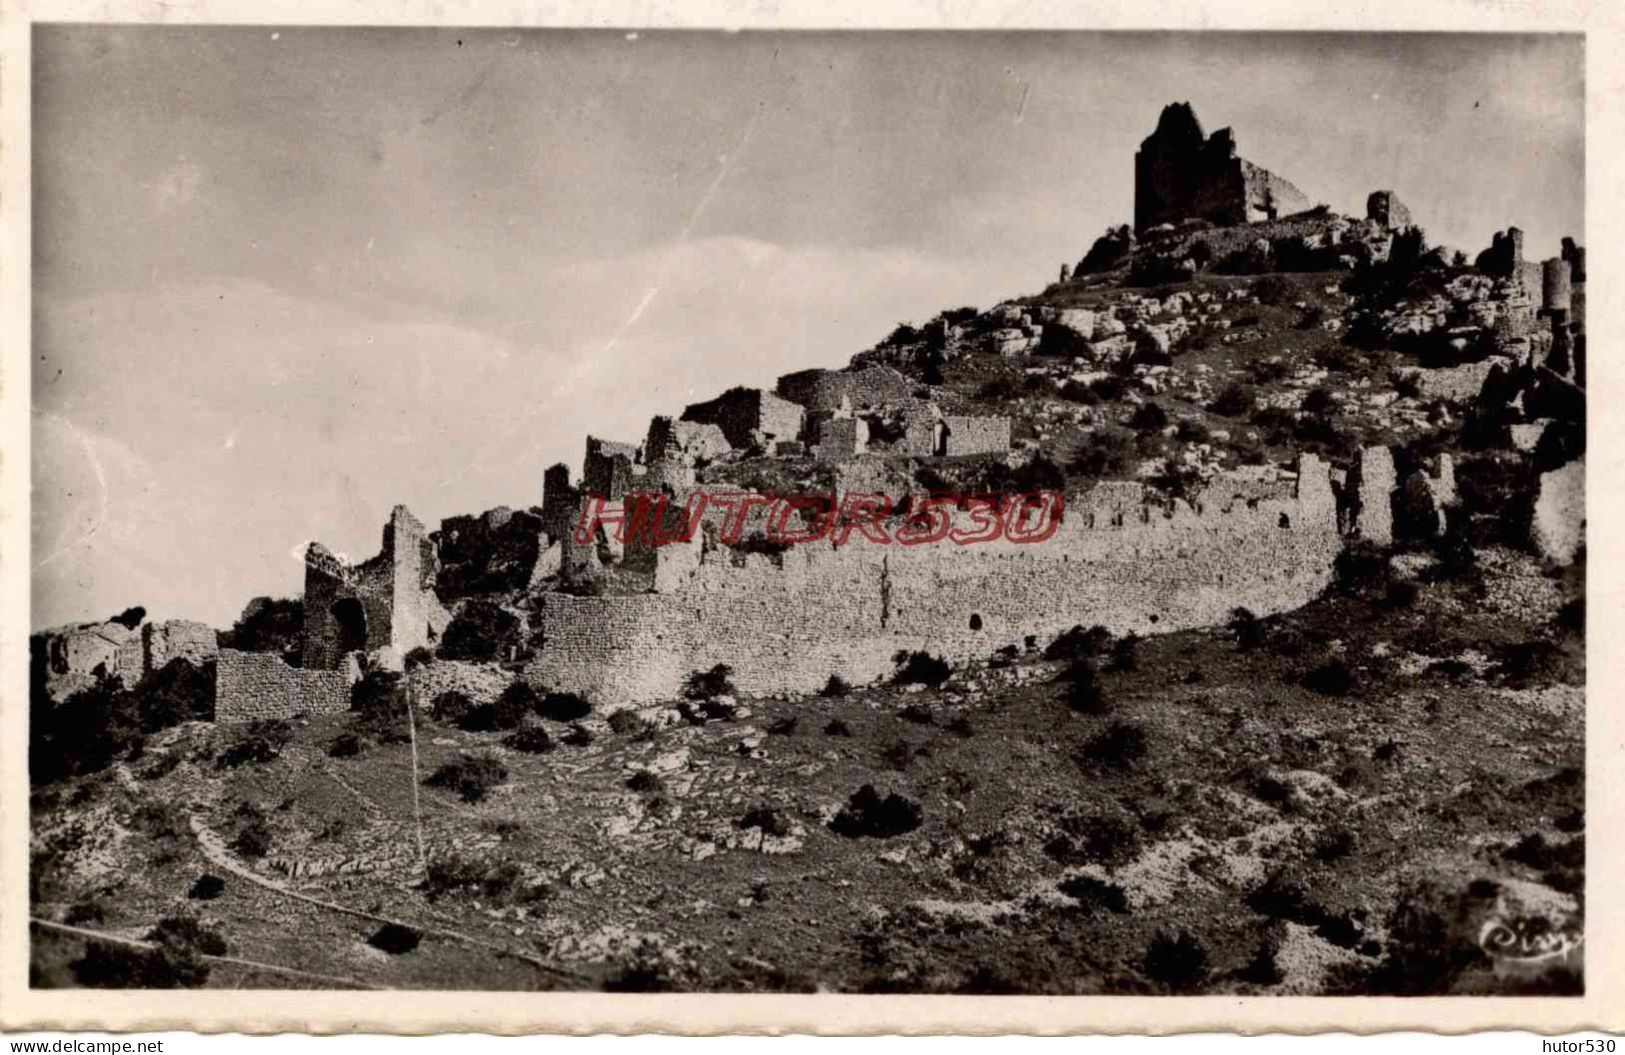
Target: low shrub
532, 740
835, 686
260, 743
1331, 678
1121, 745
766, 820
206, 888
1178, 960
577, 735
920, 668
1083, 692
1246, 628
783, 726
918, 714
1148, 417
718, 681
471, 776
1079, 643
344, 745
868, 814
1126, 652
253, 838
395, 939
450, 708
1234, 401
1092, 893
645, 783
563, 707
378, 706
837, 727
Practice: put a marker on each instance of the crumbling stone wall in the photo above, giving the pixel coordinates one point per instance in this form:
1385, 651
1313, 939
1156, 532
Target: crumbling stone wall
480, 682
258, 685
787, 622
609, 469
1558, 528
197, 643
833, 390
1384, 207
975, 435
840, 439
386, 603
1372, 481
1180, 174
89, 647
560, 501
749, 417
1505, 254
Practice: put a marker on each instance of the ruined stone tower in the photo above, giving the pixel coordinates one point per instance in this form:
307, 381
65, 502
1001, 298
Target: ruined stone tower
1180, 174
386, 603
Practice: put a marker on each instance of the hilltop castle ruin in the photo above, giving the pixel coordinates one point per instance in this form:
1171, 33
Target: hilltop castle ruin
623, 620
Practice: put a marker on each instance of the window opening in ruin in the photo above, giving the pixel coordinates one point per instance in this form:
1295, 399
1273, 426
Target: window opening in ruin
352, 625
1285, 521
975, 621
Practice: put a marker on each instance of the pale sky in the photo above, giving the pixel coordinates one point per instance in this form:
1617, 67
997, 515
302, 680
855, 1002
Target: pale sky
287, 278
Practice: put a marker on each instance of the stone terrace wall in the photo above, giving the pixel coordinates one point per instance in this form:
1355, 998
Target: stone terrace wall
788, 623
255, 685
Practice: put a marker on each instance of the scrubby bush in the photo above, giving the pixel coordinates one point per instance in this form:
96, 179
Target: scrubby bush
920, 668
767, 820
479, 632
645, 782
1148, 417
418, 657
1083, 692
563, 707
835, 686
1334, 843
345, 745
1331, 678
1106, 452
270, 625
1360, 570
261, 742
395, 939
625, 721
785, 726
1126, 652
577, 735
207, 888
253, 838
494, 882
450, 708
917, 714
1233, 401
177, 960
1106, 839
1272, 290
1078, 643
532, 740
704, 684
868, 814
1093, 893
470, 776
1121, 745
837, 727
378, 706
1177, 960
1246, 628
